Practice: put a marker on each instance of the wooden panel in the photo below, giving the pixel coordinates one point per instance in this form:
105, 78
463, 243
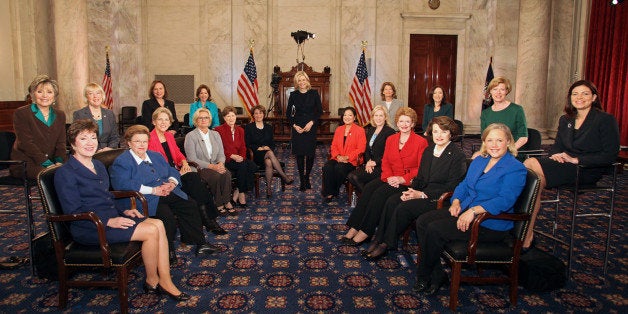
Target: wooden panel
6, 113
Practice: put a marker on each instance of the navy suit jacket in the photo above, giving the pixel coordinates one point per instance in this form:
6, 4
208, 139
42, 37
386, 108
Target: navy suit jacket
109, 136
126, 174
496, 191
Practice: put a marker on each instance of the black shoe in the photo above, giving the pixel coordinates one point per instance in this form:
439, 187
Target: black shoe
172, 257
307, 183
150, 290
205, 249
378, 252
420, 286
329, 198
346, 240
288, 181
242, 205
181, 297
302, 186
435, 286
215, 228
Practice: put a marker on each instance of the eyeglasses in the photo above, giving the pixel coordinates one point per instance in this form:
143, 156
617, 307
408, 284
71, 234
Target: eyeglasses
137, 142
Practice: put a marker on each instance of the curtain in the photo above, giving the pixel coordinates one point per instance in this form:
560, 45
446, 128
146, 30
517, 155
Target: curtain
607, 59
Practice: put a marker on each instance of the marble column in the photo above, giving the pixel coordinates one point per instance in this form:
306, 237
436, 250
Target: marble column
70, 40
532, 56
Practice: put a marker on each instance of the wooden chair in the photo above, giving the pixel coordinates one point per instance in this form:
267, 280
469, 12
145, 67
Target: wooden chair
439, 205
260, 173
474, 252
118, 257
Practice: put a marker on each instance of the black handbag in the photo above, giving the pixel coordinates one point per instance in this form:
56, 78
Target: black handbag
540, 271
44, 257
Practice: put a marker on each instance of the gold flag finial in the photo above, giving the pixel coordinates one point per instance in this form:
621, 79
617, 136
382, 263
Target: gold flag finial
107, 49
251, 44
364, 44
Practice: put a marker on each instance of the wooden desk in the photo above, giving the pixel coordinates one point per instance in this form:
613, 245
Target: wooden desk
325, 132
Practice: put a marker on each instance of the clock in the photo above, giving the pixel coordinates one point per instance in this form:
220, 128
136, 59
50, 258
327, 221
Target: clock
434, 4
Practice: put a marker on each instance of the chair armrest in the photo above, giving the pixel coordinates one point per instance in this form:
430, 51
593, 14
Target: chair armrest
443, 198
133, 195
475, 229
100, 228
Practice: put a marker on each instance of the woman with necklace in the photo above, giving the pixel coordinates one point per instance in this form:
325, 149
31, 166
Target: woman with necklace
443, 166
235, 151
259, 139
586, 135
492, 184
39, 130
504, 111
437, 106
390, 102
348, 143
376, 133
158, 97
303, 111
83, 186
204, 100
400, 164
108, 137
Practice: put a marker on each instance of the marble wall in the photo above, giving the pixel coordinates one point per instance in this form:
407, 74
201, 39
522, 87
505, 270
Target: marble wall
531, 42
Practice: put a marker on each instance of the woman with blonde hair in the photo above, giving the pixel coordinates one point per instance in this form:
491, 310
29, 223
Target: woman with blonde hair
108, 137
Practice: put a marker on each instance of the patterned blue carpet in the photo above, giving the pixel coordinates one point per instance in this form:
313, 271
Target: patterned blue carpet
283, 254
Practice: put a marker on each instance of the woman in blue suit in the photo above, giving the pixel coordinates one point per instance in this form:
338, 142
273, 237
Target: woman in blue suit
108, 137
139, 169
492, 184
83, 186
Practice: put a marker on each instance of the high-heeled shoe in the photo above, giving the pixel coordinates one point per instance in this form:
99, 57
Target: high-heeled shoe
150, 290
370, 249
242, 205
287, 180
205, 248
346, 240
181, 297
420, 286
378, 253
435, 286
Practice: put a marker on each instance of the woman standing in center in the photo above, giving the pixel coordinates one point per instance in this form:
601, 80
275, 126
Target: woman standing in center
348, 143
304, 110
402, 157
390, 102
157, 97
204, 100
438, 106
235, 151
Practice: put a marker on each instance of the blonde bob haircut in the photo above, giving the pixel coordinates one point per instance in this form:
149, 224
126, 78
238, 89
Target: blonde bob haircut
496, 81
296, 79
506, 130
384, 110
161, 110
93, 87
195, 116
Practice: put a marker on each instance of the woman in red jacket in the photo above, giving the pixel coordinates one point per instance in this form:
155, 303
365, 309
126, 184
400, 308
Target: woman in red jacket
235, 150
400, 164
349, 142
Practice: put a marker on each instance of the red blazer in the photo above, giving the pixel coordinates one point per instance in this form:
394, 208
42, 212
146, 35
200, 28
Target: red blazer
404, 162
352, 147
175, 152
231, 146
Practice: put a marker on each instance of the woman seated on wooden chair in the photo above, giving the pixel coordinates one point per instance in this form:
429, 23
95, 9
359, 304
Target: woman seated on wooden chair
259, 139
83, 186
348, 143
442, 167
493, 183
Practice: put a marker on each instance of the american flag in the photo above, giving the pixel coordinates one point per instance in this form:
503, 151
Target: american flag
360, 92
106, 85
247, 85
488, 101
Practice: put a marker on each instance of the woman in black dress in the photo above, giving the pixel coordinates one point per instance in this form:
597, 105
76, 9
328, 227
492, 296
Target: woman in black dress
157, 97
376, 134
304, 110
259, 139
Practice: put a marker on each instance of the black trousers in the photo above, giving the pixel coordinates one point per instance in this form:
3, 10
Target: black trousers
244, 172
398, 215
359, 177
173, 210
437, 228
367, 211
196, 188
334, 175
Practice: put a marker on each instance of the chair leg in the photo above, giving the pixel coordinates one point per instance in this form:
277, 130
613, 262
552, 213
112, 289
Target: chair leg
456, 268
514, 282
63, 287
349, 188
257, 177
122, 289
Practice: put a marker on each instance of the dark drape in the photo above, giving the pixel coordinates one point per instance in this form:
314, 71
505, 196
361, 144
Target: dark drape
607, 59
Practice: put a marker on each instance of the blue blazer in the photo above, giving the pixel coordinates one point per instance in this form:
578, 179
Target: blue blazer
81, 191
126, 174
496, 191
109, 136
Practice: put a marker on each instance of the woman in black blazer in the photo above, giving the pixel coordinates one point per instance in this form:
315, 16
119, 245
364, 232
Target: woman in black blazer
443, 166
376, 134
586, 135
158, 95
108, 137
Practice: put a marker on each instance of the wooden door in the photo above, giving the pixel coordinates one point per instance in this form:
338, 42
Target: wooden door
432, 62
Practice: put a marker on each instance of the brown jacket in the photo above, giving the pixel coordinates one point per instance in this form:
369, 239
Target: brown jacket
36, 142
